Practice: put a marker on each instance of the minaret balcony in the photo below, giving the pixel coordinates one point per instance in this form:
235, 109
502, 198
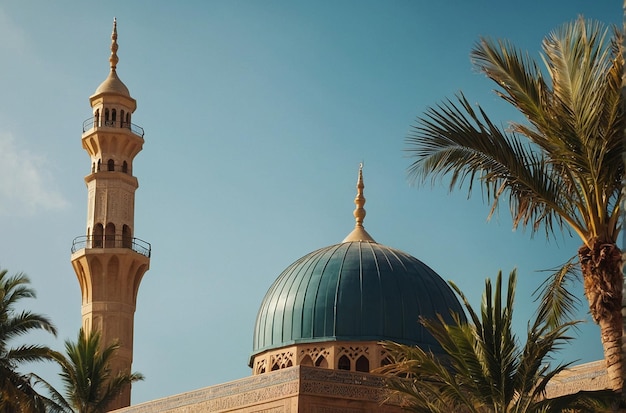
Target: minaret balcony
108, 241
97, 123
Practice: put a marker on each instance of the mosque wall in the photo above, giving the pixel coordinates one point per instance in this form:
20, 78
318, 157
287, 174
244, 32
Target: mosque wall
303, 389
588, 376
298, 389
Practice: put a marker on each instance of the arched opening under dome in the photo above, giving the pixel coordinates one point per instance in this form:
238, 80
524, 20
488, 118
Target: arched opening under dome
321, 362
363, 364
343, 363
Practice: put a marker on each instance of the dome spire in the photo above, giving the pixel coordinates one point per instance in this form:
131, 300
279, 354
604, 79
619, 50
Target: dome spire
359, 233
114, 59
359, 201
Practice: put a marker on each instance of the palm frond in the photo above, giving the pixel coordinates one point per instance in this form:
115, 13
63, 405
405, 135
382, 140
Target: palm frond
570, 168
483, 368
17, 392
90, 384
557, 303
56, 403
515, 72
453, 140
584, 401
29, 353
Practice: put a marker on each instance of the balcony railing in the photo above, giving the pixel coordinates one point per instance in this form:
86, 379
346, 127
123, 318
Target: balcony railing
110, 241
95, 122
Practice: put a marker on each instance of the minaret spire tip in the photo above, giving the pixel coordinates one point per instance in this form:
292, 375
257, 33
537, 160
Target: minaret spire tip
114, 46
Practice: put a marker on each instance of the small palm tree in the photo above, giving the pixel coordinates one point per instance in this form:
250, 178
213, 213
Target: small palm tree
86, 373
562, 168
485, 369
16, 389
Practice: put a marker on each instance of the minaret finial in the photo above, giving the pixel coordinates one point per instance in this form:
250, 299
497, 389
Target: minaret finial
359, 233
113, 84
114, 59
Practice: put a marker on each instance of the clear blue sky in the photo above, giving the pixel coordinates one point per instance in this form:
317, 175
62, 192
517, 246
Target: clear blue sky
257, 114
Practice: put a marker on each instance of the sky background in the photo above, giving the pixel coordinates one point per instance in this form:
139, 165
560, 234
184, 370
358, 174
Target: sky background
257, 115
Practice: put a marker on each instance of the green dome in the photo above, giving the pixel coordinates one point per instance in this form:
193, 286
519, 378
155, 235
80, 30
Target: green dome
353, 291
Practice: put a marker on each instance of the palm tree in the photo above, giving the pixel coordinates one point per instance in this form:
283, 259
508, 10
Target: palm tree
16, 390
485, 368
86, 373
561, 169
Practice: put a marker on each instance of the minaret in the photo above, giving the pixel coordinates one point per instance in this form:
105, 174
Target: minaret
109, 261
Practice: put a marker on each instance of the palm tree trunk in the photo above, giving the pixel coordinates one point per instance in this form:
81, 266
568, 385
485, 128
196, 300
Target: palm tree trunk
623, 349
603, 279
611, 335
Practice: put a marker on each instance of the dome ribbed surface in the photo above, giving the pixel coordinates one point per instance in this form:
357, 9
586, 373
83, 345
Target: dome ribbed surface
353, 291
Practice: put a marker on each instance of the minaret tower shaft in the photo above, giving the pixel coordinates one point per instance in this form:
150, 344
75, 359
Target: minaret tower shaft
109, 261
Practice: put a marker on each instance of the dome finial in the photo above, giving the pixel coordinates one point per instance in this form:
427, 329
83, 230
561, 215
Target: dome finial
114, 59
359, 201
359, 233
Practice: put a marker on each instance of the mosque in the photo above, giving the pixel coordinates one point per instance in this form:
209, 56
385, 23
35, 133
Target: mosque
318, 330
